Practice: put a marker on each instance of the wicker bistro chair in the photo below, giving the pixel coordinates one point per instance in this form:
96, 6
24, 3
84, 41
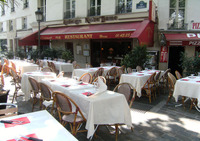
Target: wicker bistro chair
149, 88
129, 70
171, 83
157, 77
46, 69
77, 66
129, 92
53, 67
17, 82
46, 96
97, 73
138, 68
66, 115
14, 67
178, 75
6, 68
86, 77
35, 90
111, 75
120, 71
60, 74
164, 78
10, 110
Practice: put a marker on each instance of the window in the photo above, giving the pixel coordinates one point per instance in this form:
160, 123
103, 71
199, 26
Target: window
26, 3
124, 6
95, 8
1, 27
42, 5
11, 25
12, 5
2, 9
177, 14
24, 23
70, 9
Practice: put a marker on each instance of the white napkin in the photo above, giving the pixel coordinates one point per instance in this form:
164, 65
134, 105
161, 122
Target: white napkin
101, 86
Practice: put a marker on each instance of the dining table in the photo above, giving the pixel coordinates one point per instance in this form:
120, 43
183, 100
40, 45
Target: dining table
77, 73
24, 66
189, 87
106, 107
40, 125
138, 79
38, 75
61, 66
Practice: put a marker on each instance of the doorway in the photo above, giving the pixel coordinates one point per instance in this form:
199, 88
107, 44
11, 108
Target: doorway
174, 58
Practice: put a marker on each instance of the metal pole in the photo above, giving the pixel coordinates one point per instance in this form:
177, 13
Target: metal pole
39, 39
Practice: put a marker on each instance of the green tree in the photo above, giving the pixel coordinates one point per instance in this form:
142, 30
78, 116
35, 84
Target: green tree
137, 57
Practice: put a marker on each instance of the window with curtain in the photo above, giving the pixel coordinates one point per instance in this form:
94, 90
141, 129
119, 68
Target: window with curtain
70, 9
177, 14
12, 5
1, 27
24, 23
42, 5
124, 6
2, 9
10, 25
26, 3
95, 8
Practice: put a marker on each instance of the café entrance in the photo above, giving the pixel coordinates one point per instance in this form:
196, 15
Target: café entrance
109, 51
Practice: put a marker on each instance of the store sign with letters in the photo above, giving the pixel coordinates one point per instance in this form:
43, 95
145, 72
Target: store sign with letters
163, 54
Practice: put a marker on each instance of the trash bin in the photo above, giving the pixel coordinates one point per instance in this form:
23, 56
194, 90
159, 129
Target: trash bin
3, 97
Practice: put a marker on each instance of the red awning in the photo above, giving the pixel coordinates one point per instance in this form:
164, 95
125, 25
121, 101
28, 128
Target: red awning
31, 39
103, 31
183, 39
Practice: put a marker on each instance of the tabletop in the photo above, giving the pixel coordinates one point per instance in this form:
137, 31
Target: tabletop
25, 85
107, 107
38, 124
77, 73
189, 87
137, 79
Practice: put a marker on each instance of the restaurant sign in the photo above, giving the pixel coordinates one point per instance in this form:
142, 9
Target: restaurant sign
195, 25
88, 36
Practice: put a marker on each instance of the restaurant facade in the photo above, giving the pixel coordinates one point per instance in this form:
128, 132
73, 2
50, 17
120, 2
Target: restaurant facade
95, 31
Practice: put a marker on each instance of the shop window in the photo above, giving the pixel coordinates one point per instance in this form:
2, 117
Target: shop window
70, 9
26, 3
124, 6
24, 23
42, 5
12, 5
2, 9
95, 8
177, 15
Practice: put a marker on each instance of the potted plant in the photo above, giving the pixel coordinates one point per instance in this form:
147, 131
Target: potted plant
67, 55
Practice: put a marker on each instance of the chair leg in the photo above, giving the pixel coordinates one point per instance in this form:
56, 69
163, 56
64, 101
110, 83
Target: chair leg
169, 97
116, 132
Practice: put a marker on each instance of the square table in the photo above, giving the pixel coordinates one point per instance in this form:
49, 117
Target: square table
137, 79
107, 107
40, 124
26, 86
189, 87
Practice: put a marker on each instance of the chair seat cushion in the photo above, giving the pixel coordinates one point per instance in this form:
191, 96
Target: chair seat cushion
70, 118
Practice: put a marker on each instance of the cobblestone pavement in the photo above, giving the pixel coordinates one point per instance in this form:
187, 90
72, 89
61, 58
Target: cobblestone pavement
155, 122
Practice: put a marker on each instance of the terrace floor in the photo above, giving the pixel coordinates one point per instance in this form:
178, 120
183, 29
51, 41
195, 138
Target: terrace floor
156, 121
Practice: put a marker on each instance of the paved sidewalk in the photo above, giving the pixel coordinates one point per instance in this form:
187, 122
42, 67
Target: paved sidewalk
154, 122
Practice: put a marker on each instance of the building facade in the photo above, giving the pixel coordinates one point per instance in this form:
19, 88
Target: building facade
95, 31
178, 28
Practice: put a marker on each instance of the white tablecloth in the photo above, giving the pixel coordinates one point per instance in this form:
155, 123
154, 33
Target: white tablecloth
25, 85
106, 108
61, 66
137, 79
189, 87
42, 124
77, 73
24, 66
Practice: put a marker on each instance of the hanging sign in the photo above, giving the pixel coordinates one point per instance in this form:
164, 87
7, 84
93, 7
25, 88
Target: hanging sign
163, 54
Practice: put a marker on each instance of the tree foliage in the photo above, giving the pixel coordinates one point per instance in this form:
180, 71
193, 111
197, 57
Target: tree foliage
137, 57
